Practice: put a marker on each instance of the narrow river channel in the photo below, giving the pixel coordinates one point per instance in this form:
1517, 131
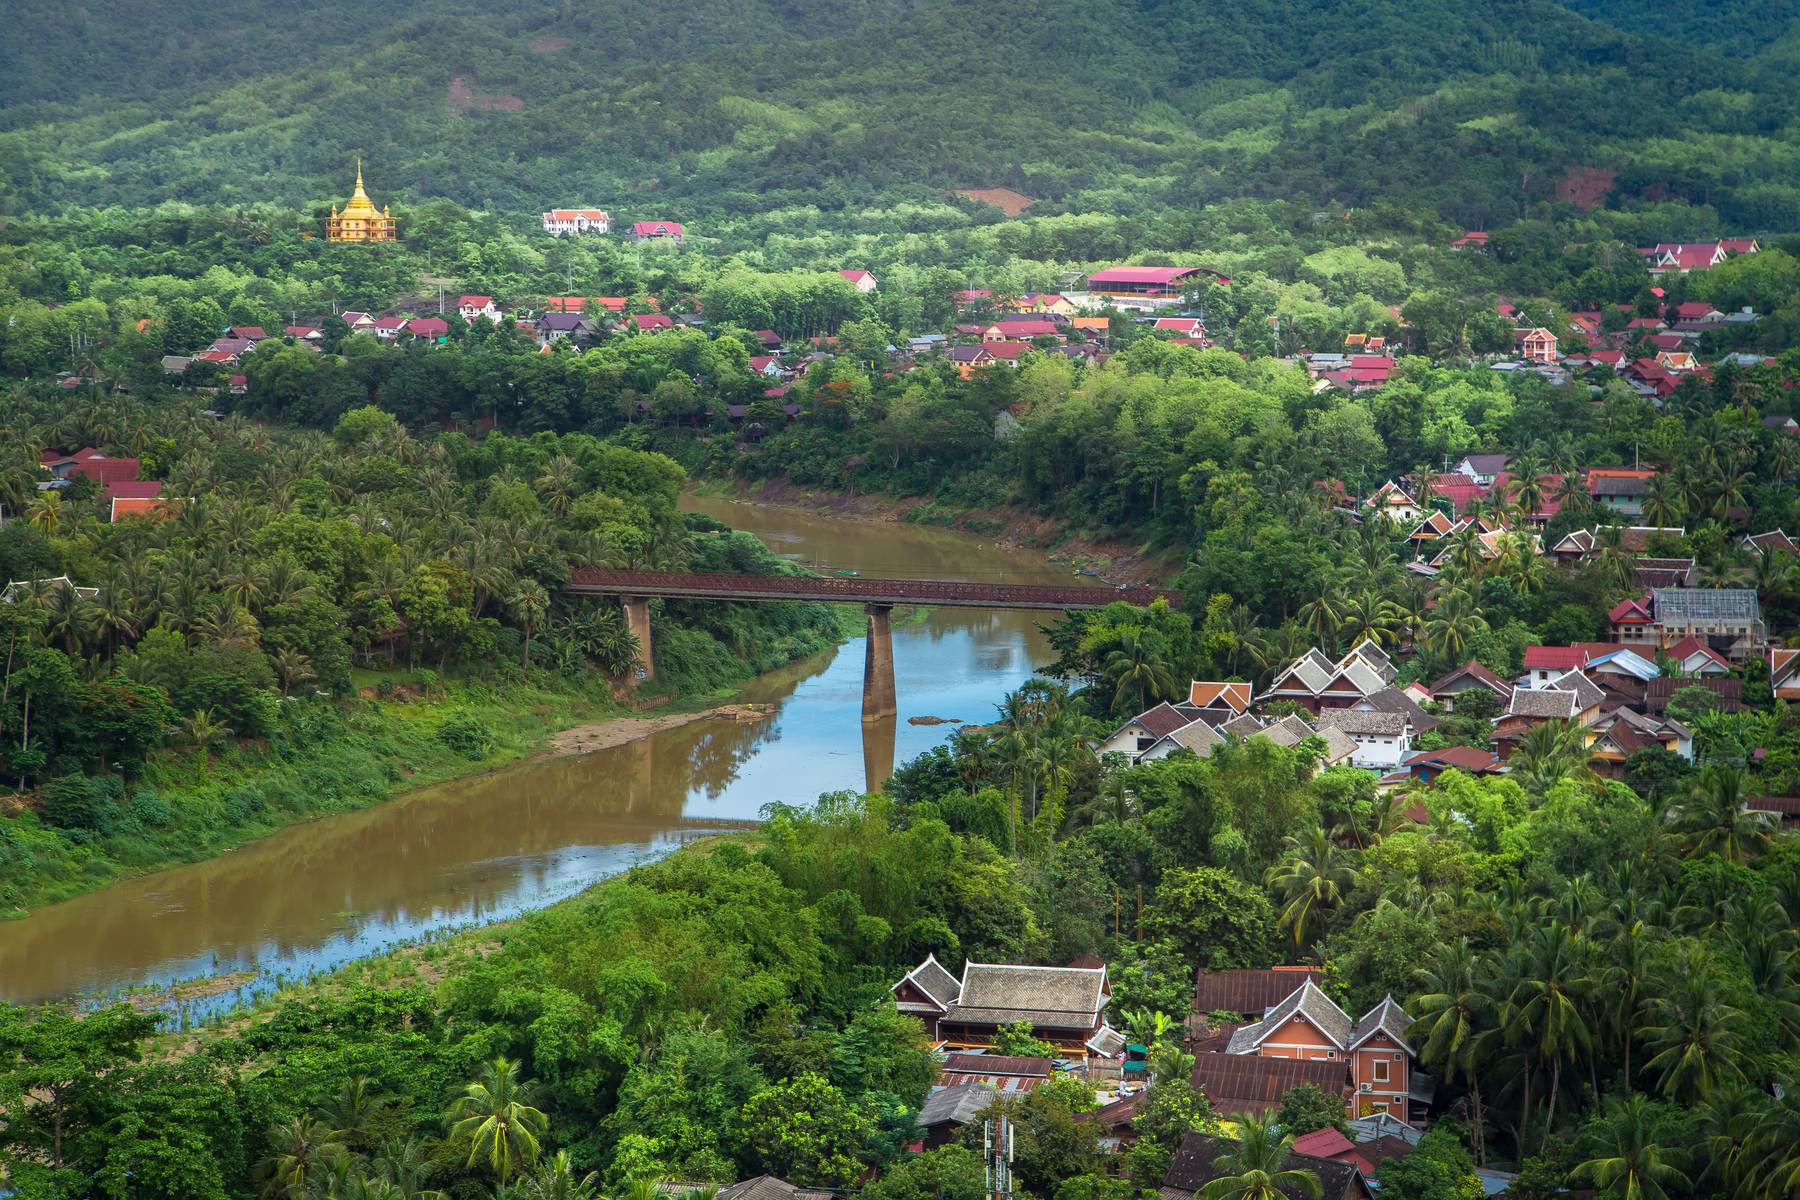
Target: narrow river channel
317, 895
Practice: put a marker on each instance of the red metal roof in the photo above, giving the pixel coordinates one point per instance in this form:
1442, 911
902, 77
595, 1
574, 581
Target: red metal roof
1554, 658
1163, 275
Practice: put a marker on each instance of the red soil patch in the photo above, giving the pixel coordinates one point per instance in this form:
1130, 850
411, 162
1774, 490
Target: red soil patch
462, 98
548, 45
1585, 187
1005, 199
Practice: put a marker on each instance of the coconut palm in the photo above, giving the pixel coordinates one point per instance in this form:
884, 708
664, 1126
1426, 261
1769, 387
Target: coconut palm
495, 1114
1631, 1165
1695, 1034
1139, 671
1453, 624
292, 668
46, 512
1454, 1022
1255, 1166
1547, 1011
204, 731
1662, 501
557, 1180
301, 1147
1716, 817
1312, 879
355, 1112
529, 602
1549, 753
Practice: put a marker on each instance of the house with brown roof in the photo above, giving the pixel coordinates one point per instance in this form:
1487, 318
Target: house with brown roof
1471, 676
1784, 672
1064, 1006
1774, 541
1226, 699
1308, 1026
1255, 1084
1144, 730
1249, 992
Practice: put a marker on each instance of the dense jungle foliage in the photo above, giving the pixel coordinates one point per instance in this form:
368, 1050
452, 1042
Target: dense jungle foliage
265, 617
718, 110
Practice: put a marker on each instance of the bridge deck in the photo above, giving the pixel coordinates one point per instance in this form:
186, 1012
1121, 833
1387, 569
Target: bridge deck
687, 585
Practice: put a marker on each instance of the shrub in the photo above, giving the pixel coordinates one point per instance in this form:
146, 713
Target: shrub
467, 734
79, 802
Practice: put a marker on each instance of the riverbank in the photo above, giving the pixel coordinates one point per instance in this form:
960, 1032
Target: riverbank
1008, 525
405, 732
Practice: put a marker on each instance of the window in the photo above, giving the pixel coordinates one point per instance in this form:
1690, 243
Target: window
1381, 1070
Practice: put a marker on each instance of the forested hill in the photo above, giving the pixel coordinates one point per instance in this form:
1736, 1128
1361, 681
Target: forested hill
693, 107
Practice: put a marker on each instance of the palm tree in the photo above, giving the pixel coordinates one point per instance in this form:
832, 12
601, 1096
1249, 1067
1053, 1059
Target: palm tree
1548, 1005
353, 1114
1454, 1021
292, 668
1312, 879
46, 512
556, 1180
1716, 819
204, 731
1528, 485
301, 1147
1138, 669
1695, 1034
495, 1114
1371, 617
1453, 624
1662, 501
529, 602
1549, 753
1255, 1168
1632, 1166
1320, 617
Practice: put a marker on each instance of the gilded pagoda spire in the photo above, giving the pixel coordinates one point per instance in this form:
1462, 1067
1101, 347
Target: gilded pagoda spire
360, 220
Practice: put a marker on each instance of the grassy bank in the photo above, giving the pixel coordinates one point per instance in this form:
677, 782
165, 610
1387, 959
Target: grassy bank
404, 730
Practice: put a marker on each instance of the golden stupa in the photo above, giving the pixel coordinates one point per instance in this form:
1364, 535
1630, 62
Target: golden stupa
360, 221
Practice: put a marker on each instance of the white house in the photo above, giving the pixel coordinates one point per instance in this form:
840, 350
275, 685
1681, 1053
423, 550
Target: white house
1383, 739
862, 281
561, 221
472, 306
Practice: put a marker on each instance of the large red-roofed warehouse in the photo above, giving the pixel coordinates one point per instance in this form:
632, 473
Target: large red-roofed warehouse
1150, 283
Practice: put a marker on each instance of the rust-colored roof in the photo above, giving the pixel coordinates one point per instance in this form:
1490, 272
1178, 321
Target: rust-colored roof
1252, 1084
1250, 991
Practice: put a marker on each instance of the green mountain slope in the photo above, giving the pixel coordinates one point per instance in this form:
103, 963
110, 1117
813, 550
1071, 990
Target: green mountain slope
704, 107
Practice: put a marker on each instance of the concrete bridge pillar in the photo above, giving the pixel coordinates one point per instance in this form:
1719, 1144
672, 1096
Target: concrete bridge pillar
879, 702
637, 619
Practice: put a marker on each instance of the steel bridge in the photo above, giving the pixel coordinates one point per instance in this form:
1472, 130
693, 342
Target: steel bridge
635, 590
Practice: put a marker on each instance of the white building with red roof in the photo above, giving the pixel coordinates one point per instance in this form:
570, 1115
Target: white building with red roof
861, 280
561, 222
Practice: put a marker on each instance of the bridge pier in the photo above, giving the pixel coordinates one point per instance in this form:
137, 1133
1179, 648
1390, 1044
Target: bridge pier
637, 619
879, 702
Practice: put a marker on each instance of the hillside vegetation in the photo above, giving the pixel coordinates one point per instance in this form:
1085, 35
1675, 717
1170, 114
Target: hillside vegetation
712, 108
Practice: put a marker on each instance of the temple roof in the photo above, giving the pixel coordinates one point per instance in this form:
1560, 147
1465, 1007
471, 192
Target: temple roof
360, 205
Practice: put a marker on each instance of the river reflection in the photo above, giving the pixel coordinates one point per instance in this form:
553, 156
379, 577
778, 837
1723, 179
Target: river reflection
317, 895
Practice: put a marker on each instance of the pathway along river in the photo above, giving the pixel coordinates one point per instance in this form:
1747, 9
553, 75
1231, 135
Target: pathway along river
494, 846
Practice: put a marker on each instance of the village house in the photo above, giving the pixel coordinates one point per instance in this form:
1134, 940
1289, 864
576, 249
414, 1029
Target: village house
1247, 993
1144, 287
861, 280
1475, 239
1424, 766
19, 589
649, 322
1382, 739
559, 327
1620, 488
1536, 344
1471, 676
1316, 683
1307, 1025
651, 231
472, 306
1784, 672
1682, 257
1531, 707
561, 222
1772, 542
1728, 620
1064, 1006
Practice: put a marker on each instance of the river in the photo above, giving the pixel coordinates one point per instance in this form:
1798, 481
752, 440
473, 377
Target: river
494, 846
